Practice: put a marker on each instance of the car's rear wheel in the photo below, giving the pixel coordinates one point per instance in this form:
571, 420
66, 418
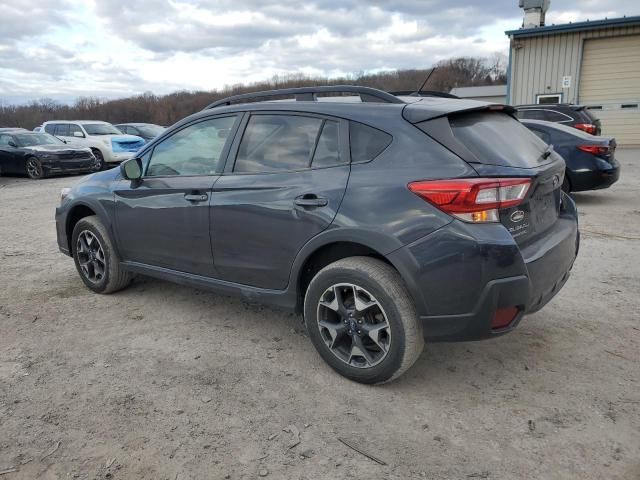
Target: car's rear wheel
99, 165
96, 260
362, 320
34, 168
566, 184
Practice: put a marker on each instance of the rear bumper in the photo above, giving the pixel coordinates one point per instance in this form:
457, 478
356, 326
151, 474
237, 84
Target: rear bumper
595, 179
462, 274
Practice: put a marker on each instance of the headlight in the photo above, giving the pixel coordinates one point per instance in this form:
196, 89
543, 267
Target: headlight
64, 193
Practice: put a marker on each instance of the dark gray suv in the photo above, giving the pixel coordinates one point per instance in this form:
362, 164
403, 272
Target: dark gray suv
385, 220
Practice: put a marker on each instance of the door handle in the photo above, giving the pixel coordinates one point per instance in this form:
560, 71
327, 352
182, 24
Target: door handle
195, 197
311, 200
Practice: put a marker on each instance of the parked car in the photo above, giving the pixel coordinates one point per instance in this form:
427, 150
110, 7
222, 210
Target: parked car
108, 144
384, 221
590, 160
148, 131
13, 129
576, 116
39, 155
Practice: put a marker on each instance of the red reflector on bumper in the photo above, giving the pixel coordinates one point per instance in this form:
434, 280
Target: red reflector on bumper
503, 317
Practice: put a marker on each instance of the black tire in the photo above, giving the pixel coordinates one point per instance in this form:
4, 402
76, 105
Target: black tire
99, 159
34, 168
566, 184
113, 277
386, 289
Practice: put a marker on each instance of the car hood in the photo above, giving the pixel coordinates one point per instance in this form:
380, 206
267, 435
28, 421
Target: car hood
123, 137
56, 148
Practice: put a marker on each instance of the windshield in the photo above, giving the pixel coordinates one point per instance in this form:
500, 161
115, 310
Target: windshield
34, 139
151, 130
101, 129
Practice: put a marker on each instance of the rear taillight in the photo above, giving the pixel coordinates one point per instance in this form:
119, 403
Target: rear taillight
600, 150
586, 127
475, 200
503, 317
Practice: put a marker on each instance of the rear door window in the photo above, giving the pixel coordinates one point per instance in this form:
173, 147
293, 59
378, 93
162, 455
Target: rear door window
498, 139
273, 143
367, 142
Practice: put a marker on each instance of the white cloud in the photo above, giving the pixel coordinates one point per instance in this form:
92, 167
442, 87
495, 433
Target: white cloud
114, 48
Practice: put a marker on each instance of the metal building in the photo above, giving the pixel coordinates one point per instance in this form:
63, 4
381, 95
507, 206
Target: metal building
593, 63
487, 93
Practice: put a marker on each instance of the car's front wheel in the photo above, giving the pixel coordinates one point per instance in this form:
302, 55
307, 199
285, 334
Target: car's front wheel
34, 168
96, 259
99, 165
362, 320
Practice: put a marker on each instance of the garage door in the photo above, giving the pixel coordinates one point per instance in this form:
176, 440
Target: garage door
610, 82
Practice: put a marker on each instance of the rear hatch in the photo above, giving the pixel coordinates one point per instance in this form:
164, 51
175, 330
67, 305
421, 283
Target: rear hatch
497, 145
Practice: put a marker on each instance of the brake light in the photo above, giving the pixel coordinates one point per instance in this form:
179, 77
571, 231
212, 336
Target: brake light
475, 200
601, 150
586, 127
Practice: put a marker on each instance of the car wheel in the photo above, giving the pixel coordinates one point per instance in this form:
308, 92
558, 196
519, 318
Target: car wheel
96, 260
34, 168
99, 159
362, 320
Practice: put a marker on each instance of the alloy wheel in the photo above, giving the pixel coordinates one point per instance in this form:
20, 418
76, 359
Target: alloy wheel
91, 256
353, 325
34, 169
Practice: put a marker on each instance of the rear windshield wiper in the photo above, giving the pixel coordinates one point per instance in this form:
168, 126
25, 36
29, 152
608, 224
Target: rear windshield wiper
547, 153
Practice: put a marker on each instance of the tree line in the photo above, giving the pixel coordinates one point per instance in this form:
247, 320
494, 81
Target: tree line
167, 109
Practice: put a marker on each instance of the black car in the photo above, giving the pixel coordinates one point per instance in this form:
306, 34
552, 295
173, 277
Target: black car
148, 131
576, 116
384, 220
591, 162
40, 154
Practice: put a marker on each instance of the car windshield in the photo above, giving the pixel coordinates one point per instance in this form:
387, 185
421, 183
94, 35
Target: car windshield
101, 129
151, 130
34, 139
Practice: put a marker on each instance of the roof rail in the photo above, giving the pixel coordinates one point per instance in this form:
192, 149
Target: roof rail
367, 94
423, 93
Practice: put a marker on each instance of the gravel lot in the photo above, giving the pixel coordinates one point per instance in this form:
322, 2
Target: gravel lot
163, 382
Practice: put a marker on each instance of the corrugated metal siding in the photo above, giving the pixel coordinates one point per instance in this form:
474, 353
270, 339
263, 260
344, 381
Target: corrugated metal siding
539, 63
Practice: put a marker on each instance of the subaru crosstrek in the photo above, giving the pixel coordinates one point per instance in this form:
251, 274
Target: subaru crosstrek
385, 220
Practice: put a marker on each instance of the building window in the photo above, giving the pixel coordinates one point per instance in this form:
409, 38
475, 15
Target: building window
550, 98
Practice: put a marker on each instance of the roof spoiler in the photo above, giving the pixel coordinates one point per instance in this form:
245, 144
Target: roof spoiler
424, 110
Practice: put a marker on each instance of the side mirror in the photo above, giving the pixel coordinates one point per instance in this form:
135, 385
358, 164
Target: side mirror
131, 169
78, 134
11, 143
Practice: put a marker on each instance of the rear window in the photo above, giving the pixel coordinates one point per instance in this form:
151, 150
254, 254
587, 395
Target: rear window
498, 139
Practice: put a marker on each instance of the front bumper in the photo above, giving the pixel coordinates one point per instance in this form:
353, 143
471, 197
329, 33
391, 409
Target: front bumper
462, 274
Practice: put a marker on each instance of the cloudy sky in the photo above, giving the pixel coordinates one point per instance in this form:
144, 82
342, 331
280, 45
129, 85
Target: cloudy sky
63, 49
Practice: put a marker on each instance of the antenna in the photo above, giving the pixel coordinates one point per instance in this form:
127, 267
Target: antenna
425, 81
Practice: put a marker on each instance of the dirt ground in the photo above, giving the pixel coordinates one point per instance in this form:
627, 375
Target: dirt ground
162, 381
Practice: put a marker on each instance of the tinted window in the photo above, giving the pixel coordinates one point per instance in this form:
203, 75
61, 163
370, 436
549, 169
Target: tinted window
327, 152
50, 128
366, 142
531, 114
194, 150
276, 143
541, 135
101, 129
552, 116
498, 139
62, 130
74, 128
